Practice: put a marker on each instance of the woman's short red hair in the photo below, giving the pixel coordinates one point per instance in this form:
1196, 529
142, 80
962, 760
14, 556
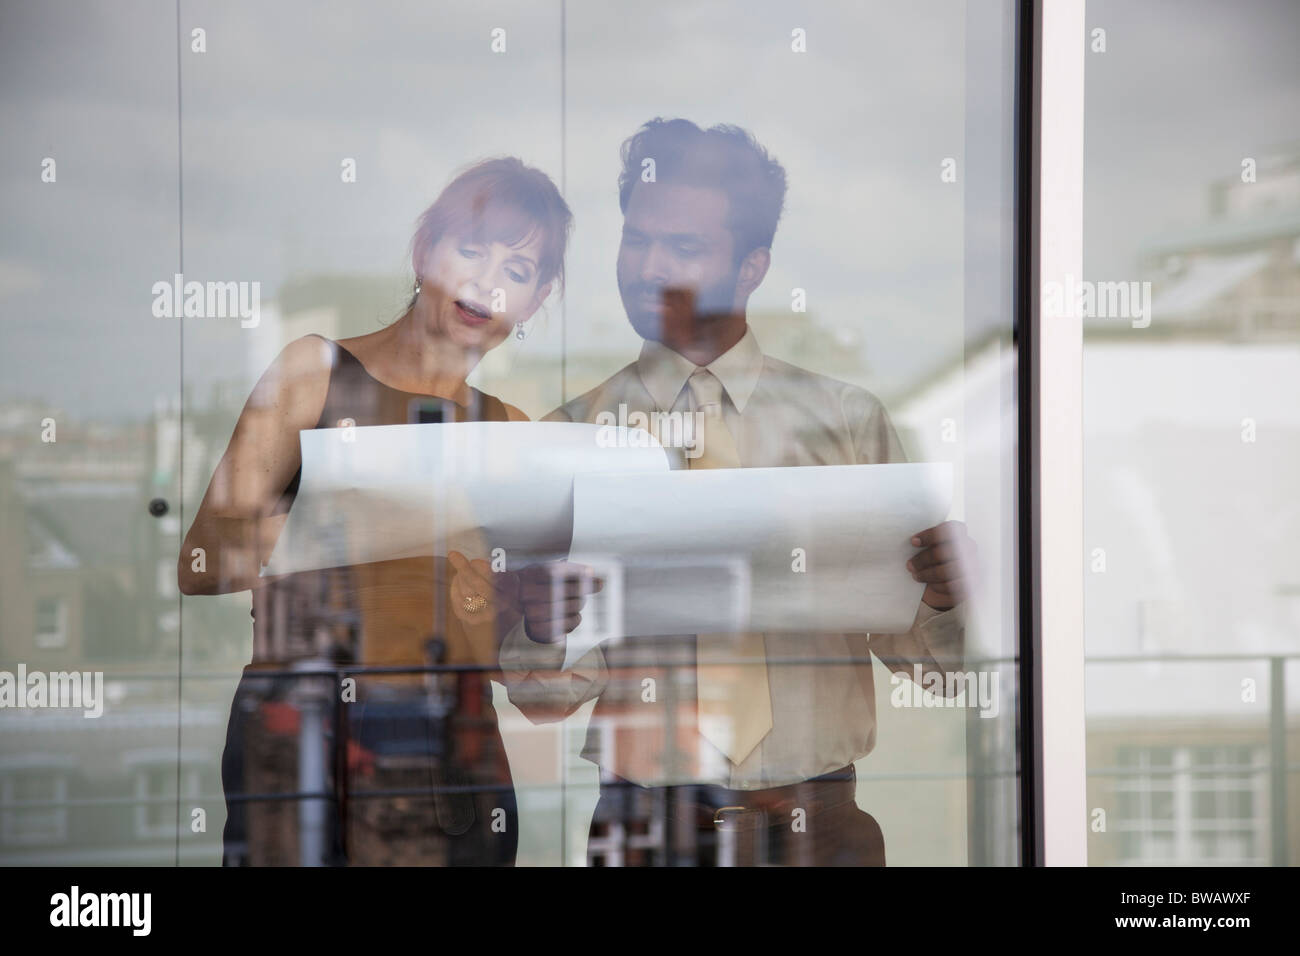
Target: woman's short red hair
501, 200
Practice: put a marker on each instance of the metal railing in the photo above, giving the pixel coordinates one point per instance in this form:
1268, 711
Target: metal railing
315, 791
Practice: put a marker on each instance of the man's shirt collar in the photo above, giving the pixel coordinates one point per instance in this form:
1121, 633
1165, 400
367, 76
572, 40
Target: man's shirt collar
664, 372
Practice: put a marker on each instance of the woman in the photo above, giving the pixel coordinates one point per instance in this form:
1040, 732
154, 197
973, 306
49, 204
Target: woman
410, 757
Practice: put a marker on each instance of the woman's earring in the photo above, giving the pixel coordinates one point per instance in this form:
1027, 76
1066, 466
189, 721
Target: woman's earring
417, 285
519, 331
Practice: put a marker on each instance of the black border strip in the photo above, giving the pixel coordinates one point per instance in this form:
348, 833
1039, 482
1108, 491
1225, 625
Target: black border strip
1025, 284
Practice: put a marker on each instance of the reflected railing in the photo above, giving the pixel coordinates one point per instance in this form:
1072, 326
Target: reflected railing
1276, 766
326, 783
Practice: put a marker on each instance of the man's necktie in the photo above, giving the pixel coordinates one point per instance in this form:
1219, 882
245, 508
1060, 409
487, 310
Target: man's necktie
735, 704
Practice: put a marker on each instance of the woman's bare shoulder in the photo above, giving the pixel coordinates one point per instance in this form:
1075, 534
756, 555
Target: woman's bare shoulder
297, 380
515, 414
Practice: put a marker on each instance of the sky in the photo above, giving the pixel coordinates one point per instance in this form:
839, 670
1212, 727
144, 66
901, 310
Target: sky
1185, 90
413, 92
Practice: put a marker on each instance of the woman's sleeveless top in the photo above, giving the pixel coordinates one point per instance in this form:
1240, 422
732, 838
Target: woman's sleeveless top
385, 613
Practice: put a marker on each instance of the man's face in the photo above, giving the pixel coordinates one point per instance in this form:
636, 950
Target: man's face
676, 263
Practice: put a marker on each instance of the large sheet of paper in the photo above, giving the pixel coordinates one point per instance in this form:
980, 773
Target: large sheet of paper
819, 548
393, 491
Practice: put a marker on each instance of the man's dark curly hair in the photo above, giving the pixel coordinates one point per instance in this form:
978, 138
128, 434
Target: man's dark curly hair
721, 157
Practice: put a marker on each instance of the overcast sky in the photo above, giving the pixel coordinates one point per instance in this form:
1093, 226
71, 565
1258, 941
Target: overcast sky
413, 92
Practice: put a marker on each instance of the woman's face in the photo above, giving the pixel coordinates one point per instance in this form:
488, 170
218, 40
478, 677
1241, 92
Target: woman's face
477, 292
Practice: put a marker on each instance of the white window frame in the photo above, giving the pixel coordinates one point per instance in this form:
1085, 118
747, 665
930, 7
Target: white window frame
1057, 385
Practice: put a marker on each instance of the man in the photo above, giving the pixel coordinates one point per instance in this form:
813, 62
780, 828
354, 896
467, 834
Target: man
742, 745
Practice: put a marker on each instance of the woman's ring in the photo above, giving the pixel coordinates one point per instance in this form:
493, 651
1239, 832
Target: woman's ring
474, 603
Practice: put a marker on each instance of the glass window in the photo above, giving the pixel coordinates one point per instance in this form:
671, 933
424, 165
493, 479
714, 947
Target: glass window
796, 257
1192, 211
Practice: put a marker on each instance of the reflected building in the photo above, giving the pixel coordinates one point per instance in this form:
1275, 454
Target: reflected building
88, 584
1195, 760
1192, 762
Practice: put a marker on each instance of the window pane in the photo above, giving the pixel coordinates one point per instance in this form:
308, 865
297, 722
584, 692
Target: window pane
87, 415
1190, 304
275, 225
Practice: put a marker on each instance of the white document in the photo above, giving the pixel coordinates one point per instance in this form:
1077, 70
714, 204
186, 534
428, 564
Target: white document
393, 491
820, 548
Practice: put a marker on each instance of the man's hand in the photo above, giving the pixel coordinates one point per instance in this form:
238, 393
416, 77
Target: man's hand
552, 596
947, 563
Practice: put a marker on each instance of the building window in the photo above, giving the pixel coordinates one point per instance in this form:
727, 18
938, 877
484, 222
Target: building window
44, 823
1200, 804
51, 623
155, 811
1225, 805
1145, 801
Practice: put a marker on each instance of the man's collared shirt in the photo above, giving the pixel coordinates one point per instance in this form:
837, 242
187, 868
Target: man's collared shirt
823, 713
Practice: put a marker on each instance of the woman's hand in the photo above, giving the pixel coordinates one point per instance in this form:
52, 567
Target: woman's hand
481, 596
